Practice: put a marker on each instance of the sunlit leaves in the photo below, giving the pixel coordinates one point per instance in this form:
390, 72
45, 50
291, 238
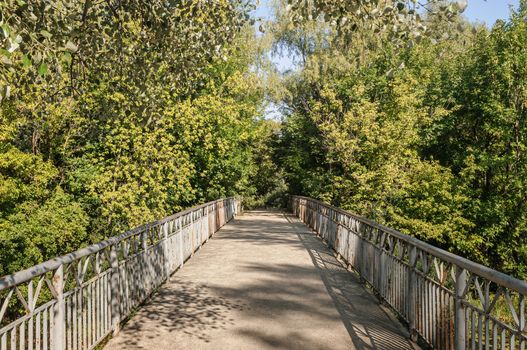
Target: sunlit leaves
98, 32
71, 47
400, 20
43, 69
428, 136
97, 94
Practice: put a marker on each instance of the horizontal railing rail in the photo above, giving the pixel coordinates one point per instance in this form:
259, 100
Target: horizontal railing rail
448, 301
74, 301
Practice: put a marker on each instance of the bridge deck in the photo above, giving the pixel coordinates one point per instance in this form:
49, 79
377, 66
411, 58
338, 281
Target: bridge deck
263, 282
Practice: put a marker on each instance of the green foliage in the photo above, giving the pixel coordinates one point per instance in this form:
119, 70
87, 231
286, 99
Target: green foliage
356, 21
116, 113
269, 182
43, 41
122, 113
429, 139
484, 141
38, 220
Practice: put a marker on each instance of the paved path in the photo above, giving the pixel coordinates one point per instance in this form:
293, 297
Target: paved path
263, 282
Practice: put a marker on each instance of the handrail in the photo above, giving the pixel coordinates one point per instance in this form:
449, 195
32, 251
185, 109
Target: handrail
448, 301
482, 270
74, 301
52, 264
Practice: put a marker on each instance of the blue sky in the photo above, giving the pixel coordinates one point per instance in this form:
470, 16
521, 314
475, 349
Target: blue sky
480, 11
489, 11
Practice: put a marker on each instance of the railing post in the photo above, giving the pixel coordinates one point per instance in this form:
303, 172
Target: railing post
410, 294
180, 234
208, 223
115, 292
191, 235
59, 310
197, 223
382, 271
166, 258
459, 318
145, 263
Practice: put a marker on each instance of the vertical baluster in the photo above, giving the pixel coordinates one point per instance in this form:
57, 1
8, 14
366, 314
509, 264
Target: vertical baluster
459, 320
403, 308
441, 319
521, 325
396, 283
443, 327
103, 304
98, 306
89, 315
115, 295
80, 317
494, 336
427, 307
22, 336
74, 321
3, 341
473, 329
122, 279
84, 318
200, 224
45, 336
13, 338
399, 287
68, 323
180, 235
382, 263
451, 318
58, 312
94, 312
166, 260
451, 323
420, 304
387, 261
191, 232
444, 320
107, 313
435, 313
31, 332
480, 331
38, 335
431, 311
487, 333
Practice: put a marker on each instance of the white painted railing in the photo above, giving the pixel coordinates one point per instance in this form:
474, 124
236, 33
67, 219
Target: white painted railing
449, 301
73, 302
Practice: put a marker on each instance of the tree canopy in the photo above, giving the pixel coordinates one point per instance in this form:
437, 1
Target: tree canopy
118, 112
427, 138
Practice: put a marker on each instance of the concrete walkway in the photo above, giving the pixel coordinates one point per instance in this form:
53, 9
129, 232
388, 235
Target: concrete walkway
265, 281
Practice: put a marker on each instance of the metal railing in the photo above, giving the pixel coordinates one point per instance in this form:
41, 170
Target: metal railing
449, 301
73, 302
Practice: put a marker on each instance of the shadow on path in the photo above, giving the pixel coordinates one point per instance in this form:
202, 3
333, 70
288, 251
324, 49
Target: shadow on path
265, 281
179, 306
369, 327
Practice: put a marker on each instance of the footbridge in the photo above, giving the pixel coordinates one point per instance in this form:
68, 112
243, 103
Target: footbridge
213, 277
